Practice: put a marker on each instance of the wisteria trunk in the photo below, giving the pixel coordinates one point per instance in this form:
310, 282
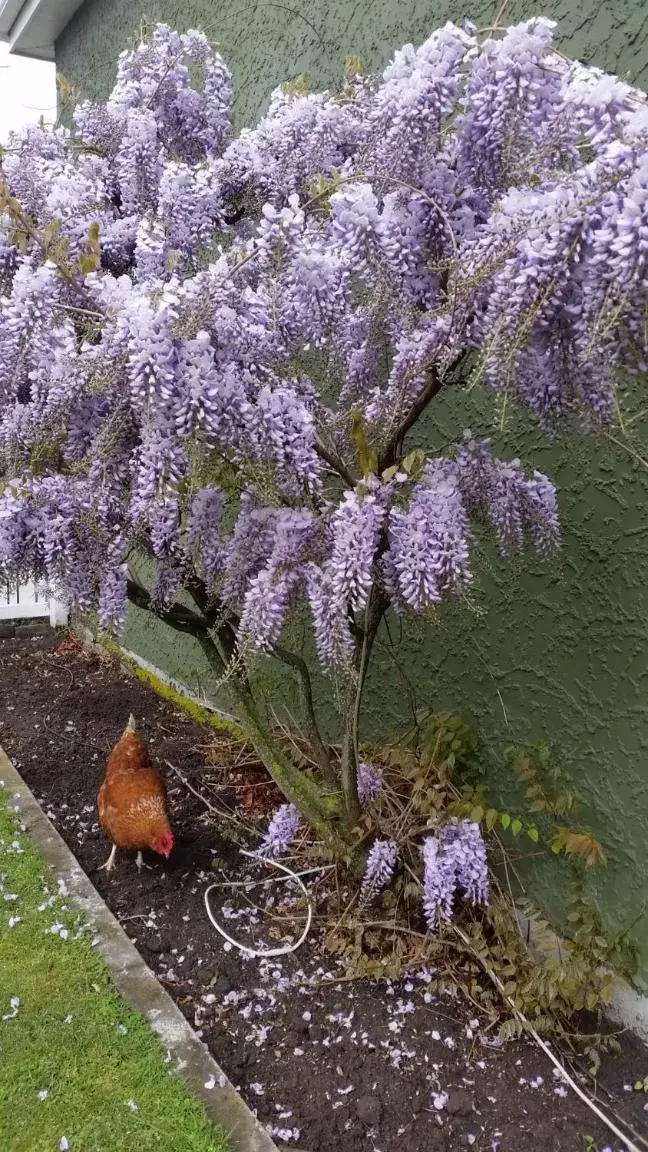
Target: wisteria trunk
319, 807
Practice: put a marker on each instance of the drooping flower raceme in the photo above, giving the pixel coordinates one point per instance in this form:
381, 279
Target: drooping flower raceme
370, 783
379, 868
428, 554
463, 844
456, 858
215, 348
282, 830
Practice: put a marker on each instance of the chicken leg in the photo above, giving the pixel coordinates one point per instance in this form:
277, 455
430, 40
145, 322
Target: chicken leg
110, 862
139, 860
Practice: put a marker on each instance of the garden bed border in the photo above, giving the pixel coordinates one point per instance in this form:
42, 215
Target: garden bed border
134, 979
627, 1008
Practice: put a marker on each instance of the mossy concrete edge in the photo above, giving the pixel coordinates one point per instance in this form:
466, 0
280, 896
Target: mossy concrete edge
136, 982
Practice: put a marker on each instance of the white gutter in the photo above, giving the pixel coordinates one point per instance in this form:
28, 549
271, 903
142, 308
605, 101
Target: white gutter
31, 27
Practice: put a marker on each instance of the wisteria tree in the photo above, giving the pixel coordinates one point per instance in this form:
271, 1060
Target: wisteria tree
215, 349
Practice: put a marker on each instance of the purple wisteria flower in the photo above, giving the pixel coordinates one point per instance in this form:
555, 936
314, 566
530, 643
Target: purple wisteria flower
428, 556
439, 882
282, 831
379, 868
516, 506
356, 528
464, 844
456, 858
370, 783
234, 384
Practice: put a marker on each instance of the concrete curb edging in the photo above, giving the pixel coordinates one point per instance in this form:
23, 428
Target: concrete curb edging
136, 982
627, 1007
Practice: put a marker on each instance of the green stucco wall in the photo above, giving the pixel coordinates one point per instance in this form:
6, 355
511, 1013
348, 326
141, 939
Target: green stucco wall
267, 43
559, 654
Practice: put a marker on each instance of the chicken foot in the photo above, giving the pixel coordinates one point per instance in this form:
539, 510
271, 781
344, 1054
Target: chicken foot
139, 861
110, 862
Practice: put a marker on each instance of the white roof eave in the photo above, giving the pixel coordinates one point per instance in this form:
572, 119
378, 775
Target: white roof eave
31, 27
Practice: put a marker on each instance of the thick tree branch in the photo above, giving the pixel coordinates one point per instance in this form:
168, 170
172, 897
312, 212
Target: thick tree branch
376, 607
319, 750
227, 634
435, 383
178, 617
334, 462
214, 613
389, 454
297, 787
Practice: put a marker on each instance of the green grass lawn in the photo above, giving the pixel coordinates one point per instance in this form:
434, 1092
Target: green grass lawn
78, 1068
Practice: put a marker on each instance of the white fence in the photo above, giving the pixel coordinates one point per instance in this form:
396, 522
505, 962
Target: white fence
22, 601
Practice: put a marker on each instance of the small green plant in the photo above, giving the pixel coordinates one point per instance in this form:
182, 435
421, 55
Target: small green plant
545, 801
437, 774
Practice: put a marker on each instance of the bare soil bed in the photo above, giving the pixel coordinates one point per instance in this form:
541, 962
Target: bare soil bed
326, 1063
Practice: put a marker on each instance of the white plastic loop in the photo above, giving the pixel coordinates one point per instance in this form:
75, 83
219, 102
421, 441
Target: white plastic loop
286, 949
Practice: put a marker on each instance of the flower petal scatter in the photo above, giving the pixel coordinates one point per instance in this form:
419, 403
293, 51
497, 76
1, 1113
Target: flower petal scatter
214, 346
282, 831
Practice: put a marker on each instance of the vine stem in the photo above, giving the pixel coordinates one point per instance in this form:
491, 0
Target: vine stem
374, 612
320, 810
528, 1027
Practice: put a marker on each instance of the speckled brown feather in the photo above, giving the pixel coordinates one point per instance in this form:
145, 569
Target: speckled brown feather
132, 801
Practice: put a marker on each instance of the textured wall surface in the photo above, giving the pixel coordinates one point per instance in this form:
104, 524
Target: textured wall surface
267, 43
559, 654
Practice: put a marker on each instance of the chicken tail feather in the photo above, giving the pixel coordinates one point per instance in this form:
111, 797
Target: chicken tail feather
131, 726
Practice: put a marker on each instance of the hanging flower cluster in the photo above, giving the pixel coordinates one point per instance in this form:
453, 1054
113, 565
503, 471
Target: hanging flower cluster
379, 868
455, 858
282, 830
213, 346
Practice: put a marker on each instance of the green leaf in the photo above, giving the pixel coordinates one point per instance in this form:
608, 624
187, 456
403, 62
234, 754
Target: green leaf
172, 260
353, 66
516, 826
300, 86
88, 262
491, 818
532, 833
505, 819
51, 232
477, 814
389, 473
93, 238
413, 461
20, 238
367, 456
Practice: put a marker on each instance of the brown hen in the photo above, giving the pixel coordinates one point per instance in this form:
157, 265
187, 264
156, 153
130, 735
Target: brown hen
132, 801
